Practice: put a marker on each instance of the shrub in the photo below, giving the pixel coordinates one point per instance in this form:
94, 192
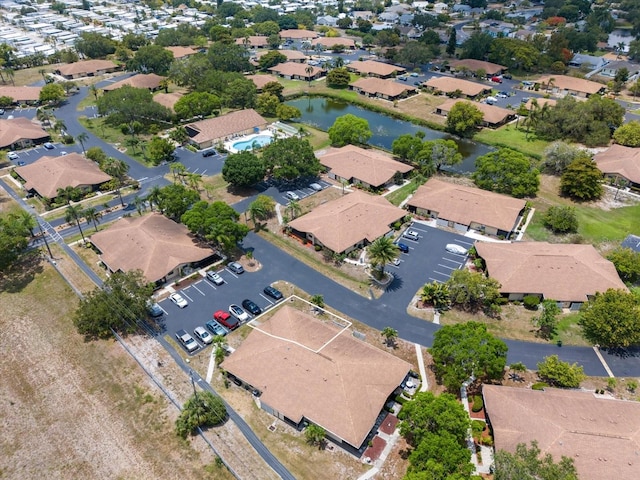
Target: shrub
400, 399
531, 302
68, 140
539, 386
518, 367
561, 219
478, 403
632, 385
317, 248
477, 426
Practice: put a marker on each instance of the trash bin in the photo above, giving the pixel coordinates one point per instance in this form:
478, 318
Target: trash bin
559, 343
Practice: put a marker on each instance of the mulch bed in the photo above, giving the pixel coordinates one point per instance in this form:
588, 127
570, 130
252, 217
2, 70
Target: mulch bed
374, 451
389, 423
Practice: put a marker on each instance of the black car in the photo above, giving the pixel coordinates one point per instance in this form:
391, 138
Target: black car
273, 293
251, 307
209, 153
508, 76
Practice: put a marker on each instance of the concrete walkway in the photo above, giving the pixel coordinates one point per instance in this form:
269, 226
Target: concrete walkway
377, 464
423, 371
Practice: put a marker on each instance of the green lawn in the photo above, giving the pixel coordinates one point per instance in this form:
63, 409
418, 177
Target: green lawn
112, 135
510, 136
397, 196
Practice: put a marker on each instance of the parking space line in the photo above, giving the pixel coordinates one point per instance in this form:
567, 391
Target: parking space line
447, 266
231, 272
211, 285
435, 280
183, 293
459, 240
267, 299
451, 260
443, 274
201, 292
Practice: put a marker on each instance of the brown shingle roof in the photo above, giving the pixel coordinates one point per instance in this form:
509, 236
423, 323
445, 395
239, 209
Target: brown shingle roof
541, 102
47, 174
367, 165
375, 86
330, 42
600, 434
167, 99
225, 125
491, 114
298, 34
85, 66
475, 65
16, 129
342, 387
181, 52
292, 55
348, 220
261, 80
564, 82
620, 160
21, 94
152, 243
450, 85
148, 80
562, 272
375, 68
294, 68
465, 205
254, 41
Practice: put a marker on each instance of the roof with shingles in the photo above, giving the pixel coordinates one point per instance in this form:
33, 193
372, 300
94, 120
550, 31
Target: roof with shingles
225, 125
374, 86
141, 80
375, 68
16, 129
450, 85
620, 160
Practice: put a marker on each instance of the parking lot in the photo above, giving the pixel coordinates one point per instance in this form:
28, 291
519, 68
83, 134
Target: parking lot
204, 298
278, 190
25, 157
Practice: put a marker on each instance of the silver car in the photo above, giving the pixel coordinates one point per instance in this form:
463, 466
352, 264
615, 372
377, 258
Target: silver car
203, 335
457, 249
238, 312
292, 195
178, 300
214, 277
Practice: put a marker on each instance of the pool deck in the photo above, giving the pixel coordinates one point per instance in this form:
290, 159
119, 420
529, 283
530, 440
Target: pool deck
229, 146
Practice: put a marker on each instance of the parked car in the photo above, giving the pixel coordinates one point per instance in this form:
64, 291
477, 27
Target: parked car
508, 76
251, 307
402, 77
203, 335
225, 319
316, 186
48, 145
13, 156
273, 292
417, 84
154, 309
1, 111
491, 100
235, 267
187, 340
404, 248
214, 277
457, 249
21, 163
524, 99
215, 328
209, 153
64, 153
178, 300
238, 312
496, 79
292, 195
411, 235
502, 95
414, 74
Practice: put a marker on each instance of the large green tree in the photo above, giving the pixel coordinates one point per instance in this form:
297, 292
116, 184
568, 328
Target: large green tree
197, 104
94, 45
338, 78
627, 263
611, 319
128, 105
530, 464
52, 93
349, 129
174, 200
290, 158
463, 119
160, 150
582, 180
229, 57
560, 374
151, 59
462, 350
561, 219
15, 230
203, 409
217, 222
118, 305
243, 169
473, 291
271, 59
628, 134
507, 171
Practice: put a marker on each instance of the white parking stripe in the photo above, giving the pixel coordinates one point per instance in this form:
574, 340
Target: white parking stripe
435, 280
443, 274
413, 227
456, 261
447, 266
211, 285
231, 272
267, 299
183, 293
201, 292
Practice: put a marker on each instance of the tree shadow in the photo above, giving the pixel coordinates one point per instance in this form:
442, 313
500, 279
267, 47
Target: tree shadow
629, 352
396, 284
21, 273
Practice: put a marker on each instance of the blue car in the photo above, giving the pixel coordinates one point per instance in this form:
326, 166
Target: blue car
403, 248
215, 328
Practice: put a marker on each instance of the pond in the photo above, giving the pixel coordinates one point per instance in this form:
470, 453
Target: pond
322, 112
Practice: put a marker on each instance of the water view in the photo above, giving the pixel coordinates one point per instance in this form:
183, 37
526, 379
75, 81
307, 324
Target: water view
322, 112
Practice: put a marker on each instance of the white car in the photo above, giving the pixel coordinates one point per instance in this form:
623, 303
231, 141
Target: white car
203, 335
13, 156
178, 300
411, 235
187, 340
214, 277
238, 312
457, 249
316, 186
292, 196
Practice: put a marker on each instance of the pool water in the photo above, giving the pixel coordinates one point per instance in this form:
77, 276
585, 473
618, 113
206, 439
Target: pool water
258, 140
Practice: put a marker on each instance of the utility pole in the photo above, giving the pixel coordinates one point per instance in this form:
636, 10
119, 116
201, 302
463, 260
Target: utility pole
193, 383
44, 237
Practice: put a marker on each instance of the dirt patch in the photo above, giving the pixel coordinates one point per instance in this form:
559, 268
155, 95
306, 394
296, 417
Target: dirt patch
377, 446
250, 264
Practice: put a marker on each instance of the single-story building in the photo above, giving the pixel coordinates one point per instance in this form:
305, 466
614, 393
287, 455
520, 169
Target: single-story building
375, 69
599, 433
364, 166
569, 274
261, 80
180, 52
471, 65
612, 68
305, 369
349, 222
620, 161
292, 55
253, 41
463, 208
46, 175
150, 81
297, 71
87, 68
211, 131
21, 94
492, 116
330, 42
385, 89
298, 34
167, 99
565, 85
20, 132
540, 102
448, 86
632, 242
161, 248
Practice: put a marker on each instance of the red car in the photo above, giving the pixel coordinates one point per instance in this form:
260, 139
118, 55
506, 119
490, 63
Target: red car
225, 319
496, 79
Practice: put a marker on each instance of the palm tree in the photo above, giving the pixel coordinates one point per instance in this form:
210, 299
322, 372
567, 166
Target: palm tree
91, 215
44, 115
81, 138
68, 193
43, 72
27, 220
390, 335
309, 70
339, 62
118, 170
139, 203
74, 213
178, 170
195, 180
60, 126
381, 252
94, 91
154, 195
437, 294
295, 208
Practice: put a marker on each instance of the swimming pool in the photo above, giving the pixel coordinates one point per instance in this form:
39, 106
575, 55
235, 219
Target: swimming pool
258, 141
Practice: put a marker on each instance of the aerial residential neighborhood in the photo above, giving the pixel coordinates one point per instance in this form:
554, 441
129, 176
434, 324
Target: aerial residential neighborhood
320, 240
